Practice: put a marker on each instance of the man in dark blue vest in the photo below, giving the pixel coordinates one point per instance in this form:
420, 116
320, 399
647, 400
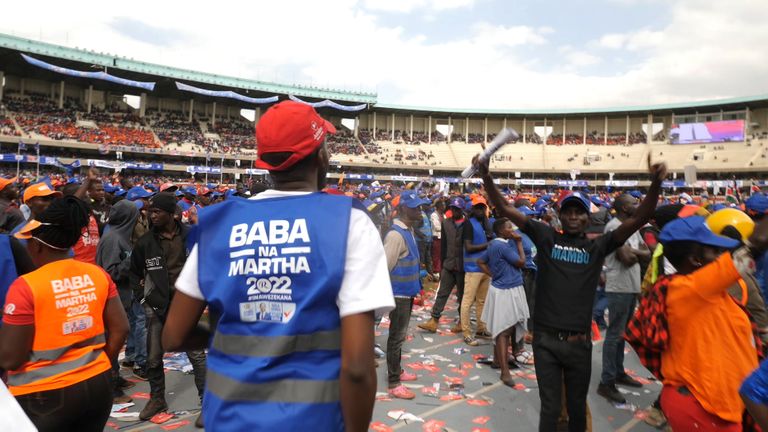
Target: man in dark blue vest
315, 262
403, 261
477, 234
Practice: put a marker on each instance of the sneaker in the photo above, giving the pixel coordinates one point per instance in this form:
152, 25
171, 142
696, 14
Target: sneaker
430, 326
140, 373
128, 364
199, 420
154, 406
628, 381
610, 392
483, 334
401, 392
407, 376
469, 340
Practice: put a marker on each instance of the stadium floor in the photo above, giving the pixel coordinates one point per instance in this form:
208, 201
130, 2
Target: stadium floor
488, 405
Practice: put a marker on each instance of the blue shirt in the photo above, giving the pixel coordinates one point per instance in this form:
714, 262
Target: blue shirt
755, 387
500, 258
761, 274
530, 252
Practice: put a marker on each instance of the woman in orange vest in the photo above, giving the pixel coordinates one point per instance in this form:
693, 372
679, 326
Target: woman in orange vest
63, 325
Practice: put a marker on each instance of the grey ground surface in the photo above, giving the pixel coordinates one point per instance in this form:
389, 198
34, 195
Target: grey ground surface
487, 404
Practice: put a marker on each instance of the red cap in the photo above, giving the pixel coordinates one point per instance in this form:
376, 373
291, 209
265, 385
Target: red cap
291, 127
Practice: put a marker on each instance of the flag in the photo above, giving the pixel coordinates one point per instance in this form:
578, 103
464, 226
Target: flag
22, 146
207, 157
37, 148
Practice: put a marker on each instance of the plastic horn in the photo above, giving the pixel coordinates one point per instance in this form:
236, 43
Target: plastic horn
504, 136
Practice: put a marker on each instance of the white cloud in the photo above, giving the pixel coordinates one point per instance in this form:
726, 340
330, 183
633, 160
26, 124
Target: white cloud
406, 6
705, 50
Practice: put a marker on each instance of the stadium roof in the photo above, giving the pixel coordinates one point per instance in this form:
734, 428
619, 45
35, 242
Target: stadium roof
149, 69
166, 76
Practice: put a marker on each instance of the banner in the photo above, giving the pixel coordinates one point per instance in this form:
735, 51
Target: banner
194, 169
103, 164
92, 75
404, 178
622, 183
256, 171
359, 176
225, 94
331, 104
579, 183
531, 182
143, 166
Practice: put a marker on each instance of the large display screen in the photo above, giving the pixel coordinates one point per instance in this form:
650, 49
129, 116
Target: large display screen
707, 132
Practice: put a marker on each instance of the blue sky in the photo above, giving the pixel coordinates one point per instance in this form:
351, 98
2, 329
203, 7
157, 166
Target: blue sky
442, 53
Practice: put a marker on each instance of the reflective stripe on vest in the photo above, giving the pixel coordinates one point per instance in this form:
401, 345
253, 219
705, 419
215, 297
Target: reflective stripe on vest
275, 269
28, 377
274, 346
478, 238
281, 391
405, 276
53, 354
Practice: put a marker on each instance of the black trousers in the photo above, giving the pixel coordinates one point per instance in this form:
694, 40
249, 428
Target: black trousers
448, 279
529, 284
83, 407
399, 317
155, 371
561, 362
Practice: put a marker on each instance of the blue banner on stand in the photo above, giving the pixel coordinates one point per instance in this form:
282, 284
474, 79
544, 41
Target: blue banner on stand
225, 94
91, 75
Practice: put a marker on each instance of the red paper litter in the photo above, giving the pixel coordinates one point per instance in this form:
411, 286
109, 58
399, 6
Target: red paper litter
380, 427
467, 365
175, 425
433, 426
481, 420
431, 368
409, 338
416, 366
384, 398
451, 397
478, 402
477, 357
480, 430
519, 386
641, 414
161, 418
453, 342
140, 395
461, 372
453, 380
531, 377
113, 425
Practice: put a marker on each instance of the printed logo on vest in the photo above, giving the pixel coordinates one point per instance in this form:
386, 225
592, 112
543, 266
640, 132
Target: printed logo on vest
269, 253
77, 325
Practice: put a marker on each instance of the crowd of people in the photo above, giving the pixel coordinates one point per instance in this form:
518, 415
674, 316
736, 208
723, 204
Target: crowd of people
102, 264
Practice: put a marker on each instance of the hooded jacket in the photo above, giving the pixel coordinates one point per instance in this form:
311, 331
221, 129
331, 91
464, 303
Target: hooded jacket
114, 250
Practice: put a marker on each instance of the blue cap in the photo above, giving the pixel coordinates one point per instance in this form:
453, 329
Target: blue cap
757, 203
527, 211
456, 202
120, 192
717, 207
636, 194
151, 187
579, 198
190, 190
178, 193
411, 199
216, 194
108, 188
377, 193
137, 192
139, 204
694, 229
541, 203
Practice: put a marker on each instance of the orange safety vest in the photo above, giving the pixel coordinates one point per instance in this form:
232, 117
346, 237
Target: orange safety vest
69, 299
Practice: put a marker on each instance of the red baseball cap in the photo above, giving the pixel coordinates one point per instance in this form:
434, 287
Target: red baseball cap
291, 127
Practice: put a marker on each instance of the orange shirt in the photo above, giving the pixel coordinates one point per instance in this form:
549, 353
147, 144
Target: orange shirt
85, 248
711, 347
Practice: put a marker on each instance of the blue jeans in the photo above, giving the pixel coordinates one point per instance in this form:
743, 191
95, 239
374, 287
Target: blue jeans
136, 346
620, 309
598, 310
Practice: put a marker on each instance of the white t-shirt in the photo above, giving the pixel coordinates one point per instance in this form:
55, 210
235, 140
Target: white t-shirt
365, 286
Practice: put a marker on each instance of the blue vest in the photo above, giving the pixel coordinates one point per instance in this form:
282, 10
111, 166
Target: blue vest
7, 267
405, 275
478, 238
272, 270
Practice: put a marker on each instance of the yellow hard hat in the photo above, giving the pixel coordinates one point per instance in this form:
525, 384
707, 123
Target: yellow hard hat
719, 220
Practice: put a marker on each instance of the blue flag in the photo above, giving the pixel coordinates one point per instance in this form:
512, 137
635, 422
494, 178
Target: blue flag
37, 148
22, 146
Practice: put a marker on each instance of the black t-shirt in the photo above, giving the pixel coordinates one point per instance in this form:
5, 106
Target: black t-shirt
569, 272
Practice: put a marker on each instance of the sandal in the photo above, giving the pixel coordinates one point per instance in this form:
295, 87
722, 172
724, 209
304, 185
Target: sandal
524, 358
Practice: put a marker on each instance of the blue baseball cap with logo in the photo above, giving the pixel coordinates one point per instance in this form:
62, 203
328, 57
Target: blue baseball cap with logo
411, 199
456, 202
137, 192
190, 190
757, 204
579, 198
694, 229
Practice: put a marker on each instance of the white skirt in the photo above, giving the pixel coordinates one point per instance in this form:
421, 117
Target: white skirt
506, 308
